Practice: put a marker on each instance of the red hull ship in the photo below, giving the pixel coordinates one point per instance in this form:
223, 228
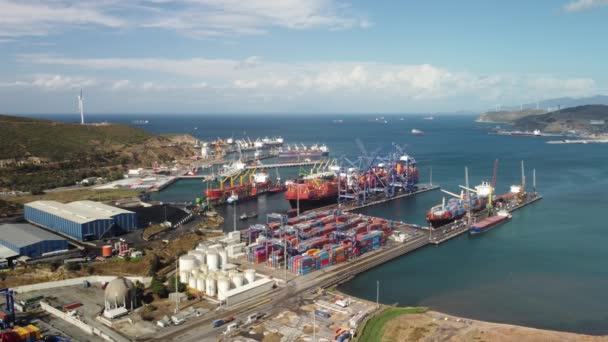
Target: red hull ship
312, 193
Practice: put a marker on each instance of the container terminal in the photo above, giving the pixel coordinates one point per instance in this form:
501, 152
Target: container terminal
244, 276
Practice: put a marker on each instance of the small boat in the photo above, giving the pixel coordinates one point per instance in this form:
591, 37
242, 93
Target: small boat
252, 214
243, 217
429, 118
233, 198
417, 132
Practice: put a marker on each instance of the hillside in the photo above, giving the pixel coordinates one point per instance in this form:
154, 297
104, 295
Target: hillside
507, 116
24, 137
38, 154
589, 119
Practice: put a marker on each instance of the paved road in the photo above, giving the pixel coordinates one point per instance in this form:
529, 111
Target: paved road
200, 329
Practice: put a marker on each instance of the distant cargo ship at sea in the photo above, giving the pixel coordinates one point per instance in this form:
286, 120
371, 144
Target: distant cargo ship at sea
304, 151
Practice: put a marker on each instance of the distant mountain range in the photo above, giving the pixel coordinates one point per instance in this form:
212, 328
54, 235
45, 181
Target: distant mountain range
514, 113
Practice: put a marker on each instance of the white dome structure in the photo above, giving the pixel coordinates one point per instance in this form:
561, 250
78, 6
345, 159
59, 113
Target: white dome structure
120, 293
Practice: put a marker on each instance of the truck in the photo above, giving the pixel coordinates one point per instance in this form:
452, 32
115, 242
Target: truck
220, 322
71, 306
231, 327
322, 313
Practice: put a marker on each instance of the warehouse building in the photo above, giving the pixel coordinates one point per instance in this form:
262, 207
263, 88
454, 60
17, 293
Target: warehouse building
82, 220
27, 240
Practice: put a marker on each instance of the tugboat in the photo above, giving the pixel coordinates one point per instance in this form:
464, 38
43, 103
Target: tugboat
252, 214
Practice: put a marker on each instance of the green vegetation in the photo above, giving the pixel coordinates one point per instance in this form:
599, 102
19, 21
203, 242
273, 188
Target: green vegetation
578, 119
506, 116
158, 288
181, 287
373, 329
23, 137
10, 208
36, 155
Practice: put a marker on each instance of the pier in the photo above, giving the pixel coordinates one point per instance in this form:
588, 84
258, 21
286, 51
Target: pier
452, 230
281, 165
377, 199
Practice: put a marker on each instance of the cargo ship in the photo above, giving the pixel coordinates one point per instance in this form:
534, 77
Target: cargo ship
490, 222
321, 188
304, 151
457, 207
259, 183
312, 193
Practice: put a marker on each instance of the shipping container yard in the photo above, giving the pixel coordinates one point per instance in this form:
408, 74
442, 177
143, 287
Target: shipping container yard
274, 274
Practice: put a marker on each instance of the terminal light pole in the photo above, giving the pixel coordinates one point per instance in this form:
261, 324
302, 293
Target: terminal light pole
176, 285
377, 293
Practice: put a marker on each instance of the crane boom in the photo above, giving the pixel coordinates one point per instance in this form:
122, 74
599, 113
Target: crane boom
494, 173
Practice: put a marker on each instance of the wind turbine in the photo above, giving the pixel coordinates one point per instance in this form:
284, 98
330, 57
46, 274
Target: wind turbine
81, 107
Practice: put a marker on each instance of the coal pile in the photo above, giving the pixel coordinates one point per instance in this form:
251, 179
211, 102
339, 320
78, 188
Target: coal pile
156, 214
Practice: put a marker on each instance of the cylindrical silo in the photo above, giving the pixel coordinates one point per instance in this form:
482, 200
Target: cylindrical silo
187, 263
223, 257
238, 280
213, 261
210, 286
184, 276
195, 273
250, 275
192, 282
223, 285
200, 283
199, 255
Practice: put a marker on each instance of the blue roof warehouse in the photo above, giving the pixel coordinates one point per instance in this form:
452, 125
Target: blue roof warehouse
30, 241
81, 220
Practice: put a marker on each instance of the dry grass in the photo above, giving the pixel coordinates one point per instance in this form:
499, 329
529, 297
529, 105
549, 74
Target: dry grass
77, 195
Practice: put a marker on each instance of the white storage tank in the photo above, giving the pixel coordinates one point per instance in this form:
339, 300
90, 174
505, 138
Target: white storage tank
250, 275
213, 261
187, 263
184, 276
210, 286
200, 283
192, 282
223, 257
195, 273
199, 255
201, 247
238, 280
223, 285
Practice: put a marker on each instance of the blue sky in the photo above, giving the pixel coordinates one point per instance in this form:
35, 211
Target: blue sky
283, 56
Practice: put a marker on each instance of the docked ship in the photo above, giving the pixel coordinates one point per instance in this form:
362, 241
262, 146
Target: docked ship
312, 193
490, 222
458, 206
417, 132
259, 183
304, 151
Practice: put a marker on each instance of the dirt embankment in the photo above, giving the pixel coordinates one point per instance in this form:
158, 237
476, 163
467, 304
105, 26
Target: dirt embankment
432, 326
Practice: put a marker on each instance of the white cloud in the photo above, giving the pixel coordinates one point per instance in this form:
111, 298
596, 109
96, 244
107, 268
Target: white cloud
122, 84
196, 18
581, 5
366, 80
54, 82
36, 18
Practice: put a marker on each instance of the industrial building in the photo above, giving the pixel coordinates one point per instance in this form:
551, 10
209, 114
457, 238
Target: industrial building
27, 240
82, 220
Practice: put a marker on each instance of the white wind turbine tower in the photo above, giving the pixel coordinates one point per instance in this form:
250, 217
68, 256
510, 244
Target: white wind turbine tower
81, 107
